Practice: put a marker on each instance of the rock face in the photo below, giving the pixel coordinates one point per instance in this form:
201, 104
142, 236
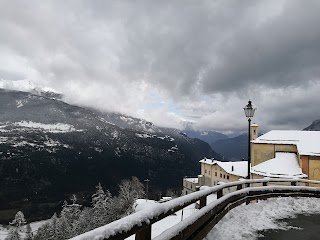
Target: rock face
315, 126
50, 149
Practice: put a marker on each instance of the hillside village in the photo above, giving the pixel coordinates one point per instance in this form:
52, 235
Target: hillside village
285, 154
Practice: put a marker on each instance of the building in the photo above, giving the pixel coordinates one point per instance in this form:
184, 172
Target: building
277, 154
214, 172
286, 154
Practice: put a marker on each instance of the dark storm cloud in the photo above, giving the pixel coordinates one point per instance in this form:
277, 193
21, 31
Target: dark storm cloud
282, 52
207, 58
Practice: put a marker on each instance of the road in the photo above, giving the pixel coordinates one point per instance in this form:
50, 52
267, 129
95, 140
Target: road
304, 227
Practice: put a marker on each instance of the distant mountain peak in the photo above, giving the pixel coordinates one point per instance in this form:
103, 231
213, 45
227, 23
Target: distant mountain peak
315, 126
26, 85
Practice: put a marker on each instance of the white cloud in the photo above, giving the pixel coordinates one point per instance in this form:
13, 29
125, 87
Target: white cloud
202, 59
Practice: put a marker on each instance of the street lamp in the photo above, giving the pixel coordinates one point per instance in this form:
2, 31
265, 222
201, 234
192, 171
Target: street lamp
249, 112
147, 181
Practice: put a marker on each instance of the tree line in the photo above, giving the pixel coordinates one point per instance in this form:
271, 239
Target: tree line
75, 219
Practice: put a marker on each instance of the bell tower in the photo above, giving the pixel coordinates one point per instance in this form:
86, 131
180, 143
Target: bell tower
254, 131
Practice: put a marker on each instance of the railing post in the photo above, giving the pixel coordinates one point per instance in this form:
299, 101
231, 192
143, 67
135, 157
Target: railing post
144, 234
247, 185
220, 193
239, 187
203, 202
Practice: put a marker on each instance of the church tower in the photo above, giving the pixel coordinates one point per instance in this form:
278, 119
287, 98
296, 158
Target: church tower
254, 131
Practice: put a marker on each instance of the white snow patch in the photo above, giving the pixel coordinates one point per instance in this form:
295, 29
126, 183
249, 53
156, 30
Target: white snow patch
25, 85
98, 149
105, 121
115, 134
143, 135
306, 141
23, 143
284, 165
243, 222
167, 222
128, 120
238, 168
54, 128
192, 180
3, 139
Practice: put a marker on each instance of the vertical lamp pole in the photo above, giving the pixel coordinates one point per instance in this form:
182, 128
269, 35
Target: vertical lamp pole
249, 112
147, 181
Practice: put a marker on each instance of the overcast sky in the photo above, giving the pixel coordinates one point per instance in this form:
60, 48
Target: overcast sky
172, 60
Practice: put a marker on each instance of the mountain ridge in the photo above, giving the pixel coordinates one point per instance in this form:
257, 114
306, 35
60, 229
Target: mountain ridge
314, 126
50, 149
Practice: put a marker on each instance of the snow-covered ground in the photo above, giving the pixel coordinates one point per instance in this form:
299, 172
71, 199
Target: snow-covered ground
171, 220
241, 223
29, 125
244, 222
55, 128
4, 230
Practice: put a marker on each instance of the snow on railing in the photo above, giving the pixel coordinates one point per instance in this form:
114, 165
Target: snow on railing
139, 223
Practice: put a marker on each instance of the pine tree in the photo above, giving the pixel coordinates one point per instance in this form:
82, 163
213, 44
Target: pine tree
86, 221
101, 202
70, 216
16, 224
18, 220
42, 232
13, 234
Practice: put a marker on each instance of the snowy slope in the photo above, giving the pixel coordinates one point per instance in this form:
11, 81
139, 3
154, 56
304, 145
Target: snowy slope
49, 148
29, 86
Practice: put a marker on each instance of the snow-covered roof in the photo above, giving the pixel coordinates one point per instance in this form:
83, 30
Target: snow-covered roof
284, 165
254, 125
193, 180
307, 142
238, 168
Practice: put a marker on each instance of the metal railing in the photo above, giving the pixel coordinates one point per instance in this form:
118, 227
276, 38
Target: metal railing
200, 223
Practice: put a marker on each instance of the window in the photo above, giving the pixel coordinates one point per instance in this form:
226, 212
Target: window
221, 175
224, 176
228, 177
205, 171
215, 174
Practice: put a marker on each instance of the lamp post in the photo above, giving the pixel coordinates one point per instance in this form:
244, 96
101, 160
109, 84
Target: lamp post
249, 112
147, 181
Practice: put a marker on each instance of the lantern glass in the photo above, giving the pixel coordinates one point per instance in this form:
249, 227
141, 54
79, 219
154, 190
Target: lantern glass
249, 110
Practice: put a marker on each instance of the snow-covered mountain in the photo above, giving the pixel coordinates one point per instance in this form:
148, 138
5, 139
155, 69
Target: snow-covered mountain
207, 136
50, 149
29, 86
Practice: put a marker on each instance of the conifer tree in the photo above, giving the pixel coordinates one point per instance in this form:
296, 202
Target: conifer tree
43, 232
69, 219
17, 223
13, 234
18, 220
101, 202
